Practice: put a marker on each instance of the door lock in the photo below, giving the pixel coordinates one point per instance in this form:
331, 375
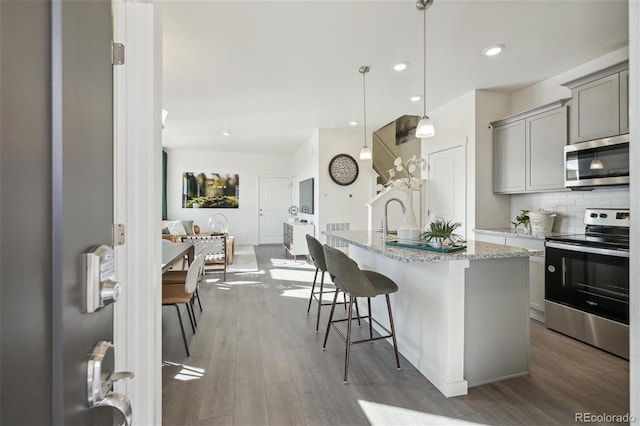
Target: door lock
100, 272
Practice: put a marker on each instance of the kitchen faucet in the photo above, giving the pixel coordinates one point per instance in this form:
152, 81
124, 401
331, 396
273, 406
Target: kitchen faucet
385, 228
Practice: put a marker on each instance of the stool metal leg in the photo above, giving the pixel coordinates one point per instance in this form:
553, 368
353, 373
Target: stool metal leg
320, 300
333, 307
313, 287
355, 300
348, 346
393, 332
370, 321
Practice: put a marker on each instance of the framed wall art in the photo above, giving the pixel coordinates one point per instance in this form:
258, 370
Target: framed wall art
210, 190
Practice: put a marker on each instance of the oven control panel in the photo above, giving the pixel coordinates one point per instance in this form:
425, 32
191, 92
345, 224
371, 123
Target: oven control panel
607, 217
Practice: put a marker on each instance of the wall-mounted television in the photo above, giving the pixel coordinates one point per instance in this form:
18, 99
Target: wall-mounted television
305, 196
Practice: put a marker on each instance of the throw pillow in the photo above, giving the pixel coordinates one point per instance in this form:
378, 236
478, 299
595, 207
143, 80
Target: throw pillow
188, 226
176, 227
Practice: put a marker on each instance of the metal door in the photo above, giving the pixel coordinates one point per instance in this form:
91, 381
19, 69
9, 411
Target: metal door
57, 109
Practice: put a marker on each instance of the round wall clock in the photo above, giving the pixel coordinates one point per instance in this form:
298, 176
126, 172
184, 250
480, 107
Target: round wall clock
343, 169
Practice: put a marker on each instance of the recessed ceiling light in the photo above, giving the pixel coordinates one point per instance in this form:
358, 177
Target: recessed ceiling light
400, 67
354, 123
416, 98
225, 133
493, 50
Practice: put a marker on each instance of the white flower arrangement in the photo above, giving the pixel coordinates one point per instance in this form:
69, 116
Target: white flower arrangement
408, 181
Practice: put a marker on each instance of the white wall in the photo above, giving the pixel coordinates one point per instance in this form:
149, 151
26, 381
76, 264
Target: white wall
468, 117
333, 202
344, 203
491, 210
305, 165
455, 121
243, 222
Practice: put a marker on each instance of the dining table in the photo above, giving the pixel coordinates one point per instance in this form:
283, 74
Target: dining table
174, 252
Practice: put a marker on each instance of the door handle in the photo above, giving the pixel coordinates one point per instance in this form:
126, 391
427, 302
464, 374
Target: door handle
99, 386
119, 403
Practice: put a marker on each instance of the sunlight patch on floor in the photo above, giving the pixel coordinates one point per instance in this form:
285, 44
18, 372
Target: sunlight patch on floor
235, 283
292, 275
290, 263
382, 414
186, 373
298, 293
249, 272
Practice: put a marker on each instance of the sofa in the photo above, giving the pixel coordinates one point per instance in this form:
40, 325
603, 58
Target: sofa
176, 231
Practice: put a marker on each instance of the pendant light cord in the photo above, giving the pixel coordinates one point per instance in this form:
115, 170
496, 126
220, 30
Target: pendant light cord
424, 56
364, 105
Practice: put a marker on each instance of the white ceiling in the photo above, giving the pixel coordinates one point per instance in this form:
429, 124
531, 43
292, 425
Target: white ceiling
271, 72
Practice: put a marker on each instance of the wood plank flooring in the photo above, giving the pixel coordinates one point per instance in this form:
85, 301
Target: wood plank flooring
256, 360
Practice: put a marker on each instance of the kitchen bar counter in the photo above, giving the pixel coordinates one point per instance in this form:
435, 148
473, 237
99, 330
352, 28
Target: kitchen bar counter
462, 319
372, 241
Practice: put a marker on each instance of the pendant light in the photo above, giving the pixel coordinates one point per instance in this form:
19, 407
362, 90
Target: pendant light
365, 152
425, 127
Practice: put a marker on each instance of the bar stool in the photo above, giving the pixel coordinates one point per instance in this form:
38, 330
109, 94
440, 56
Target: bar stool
358, 283
317, 254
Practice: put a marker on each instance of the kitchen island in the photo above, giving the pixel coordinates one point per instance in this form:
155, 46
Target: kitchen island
461, 318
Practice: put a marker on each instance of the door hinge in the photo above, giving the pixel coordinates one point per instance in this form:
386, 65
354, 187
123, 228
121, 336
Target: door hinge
118, 234
117, 53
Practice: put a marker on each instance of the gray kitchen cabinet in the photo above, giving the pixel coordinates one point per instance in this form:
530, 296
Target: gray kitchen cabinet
528, 150
545, 141
624, 102
599, 104
509, 157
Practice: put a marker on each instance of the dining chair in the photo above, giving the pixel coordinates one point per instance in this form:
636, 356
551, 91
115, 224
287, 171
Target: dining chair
179, 277
317, 255
356, 282
182, 293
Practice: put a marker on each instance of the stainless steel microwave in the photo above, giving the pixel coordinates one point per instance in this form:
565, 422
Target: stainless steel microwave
600, 162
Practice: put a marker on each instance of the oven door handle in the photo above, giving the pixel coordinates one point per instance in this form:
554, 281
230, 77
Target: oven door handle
585, 249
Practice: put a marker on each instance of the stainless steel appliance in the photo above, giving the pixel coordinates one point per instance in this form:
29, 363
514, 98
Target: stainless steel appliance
587, 281
597, 163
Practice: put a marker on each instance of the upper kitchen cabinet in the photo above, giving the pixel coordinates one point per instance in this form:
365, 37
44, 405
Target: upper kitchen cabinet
599, 104
528, 150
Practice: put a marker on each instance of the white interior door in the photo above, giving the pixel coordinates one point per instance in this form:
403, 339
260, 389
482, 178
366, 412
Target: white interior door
274, 201
446, 187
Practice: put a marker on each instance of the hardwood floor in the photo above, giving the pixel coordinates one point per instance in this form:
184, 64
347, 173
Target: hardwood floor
256, 359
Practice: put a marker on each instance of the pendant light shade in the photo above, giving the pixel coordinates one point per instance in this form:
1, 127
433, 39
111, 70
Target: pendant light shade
365, 152
425, 127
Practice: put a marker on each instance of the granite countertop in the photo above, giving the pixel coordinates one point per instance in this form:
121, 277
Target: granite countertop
510, 232
372, 241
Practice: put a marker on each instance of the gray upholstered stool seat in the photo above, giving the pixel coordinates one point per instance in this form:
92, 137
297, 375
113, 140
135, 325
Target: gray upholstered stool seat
358, 283
381, 283
317, 254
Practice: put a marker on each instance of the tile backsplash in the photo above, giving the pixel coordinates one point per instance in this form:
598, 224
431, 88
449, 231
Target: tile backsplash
570, 205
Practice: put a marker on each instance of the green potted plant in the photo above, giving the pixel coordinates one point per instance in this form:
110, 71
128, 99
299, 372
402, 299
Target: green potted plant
522, 218
440, 233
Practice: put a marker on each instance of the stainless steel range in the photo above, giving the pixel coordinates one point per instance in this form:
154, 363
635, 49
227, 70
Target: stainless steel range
587, 281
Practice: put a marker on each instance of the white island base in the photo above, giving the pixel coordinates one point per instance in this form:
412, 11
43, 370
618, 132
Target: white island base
460, 322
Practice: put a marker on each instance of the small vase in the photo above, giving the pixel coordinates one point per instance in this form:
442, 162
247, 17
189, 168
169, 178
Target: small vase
409, 231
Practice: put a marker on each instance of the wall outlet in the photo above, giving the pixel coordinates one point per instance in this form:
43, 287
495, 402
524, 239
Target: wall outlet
552, 207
